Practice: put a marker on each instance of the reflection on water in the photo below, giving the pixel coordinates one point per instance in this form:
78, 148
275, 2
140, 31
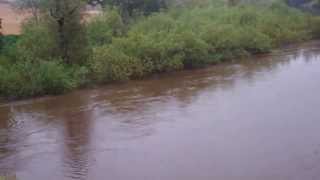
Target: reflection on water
252, 119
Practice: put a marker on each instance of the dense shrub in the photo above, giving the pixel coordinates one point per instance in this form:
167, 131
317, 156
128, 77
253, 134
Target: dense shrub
314, 24
104, 27
229, 41
192, 36
155, 52
36, 42
28, 79
5, 60
194, 50
109, 64
188, 35
53, 78
42, 39
8, 45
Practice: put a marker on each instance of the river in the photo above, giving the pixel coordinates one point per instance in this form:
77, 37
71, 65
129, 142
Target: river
252, 119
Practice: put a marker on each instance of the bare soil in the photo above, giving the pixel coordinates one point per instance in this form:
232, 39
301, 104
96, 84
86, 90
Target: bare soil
11, 19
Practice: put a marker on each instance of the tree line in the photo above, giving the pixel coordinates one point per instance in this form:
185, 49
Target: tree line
59, 49
64, 19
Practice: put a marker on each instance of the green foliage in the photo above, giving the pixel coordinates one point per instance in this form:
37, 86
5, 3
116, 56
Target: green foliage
41, 39
285, 25
193, 36
67, 31
4, 60
8, 45
194, 50
52, 78
28, 79
229, 41
36, 41
103, 28
109, 64
155, 54
52, 58
314, 24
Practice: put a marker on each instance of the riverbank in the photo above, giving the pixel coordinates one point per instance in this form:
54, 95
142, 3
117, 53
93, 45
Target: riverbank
179, 38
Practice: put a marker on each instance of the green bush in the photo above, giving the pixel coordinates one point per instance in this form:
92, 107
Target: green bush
156, 52
189, 35
53, 78
284, 25
29, 79
8, 45
194, 36
228, 39
109, 64
36, 42
194, 50
43, 40
5, 61
314, 24
104, 27
159, 22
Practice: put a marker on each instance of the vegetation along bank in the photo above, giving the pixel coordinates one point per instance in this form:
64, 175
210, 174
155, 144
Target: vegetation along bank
59, 51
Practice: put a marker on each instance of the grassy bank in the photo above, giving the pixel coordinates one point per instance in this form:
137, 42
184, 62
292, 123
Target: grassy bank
192, 35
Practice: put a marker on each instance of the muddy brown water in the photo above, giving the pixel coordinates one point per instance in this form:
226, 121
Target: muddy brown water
255, 119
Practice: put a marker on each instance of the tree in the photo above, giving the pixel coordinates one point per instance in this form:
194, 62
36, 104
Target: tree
65, 16
63, 21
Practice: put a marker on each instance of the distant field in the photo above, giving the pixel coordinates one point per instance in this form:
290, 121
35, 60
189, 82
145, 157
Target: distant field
11, 20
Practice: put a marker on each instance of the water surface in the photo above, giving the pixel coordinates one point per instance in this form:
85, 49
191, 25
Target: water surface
254, 119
